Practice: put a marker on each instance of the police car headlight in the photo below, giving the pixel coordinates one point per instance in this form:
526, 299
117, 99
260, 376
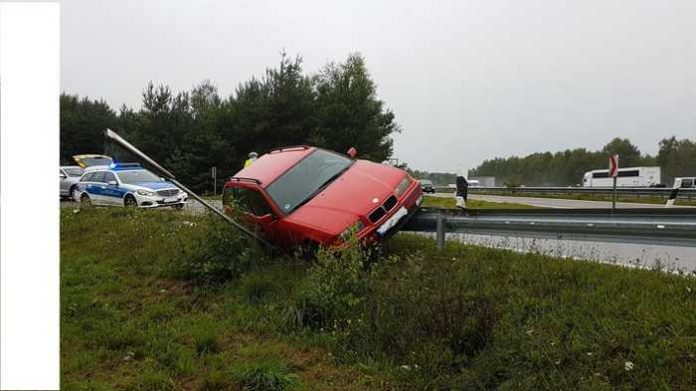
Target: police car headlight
352, 230
403, 185
146, 193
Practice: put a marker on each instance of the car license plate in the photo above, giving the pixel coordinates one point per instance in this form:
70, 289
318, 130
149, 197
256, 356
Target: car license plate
170, 200
392, 220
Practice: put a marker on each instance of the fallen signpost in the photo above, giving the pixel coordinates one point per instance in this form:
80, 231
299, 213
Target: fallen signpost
113, 136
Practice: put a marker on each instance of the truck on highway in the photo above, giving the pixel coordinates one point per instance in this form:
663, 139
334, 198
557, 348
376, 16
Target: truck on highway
626, 177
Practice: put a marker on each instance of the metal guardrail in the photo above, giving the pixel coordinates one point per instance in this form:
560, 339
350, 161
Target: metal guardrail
675, 227
632, 191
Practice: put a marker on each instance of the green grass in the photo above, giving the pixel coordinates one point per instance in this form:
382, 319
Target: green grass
409, 318
450, 203
129, 320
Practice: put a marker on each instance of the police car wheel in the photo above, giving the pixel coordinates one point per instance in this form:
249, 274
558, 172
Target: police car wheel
130, 202
85, 200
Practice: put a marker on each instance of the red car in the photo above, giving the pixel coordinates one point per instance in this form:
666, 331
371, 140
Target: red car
309, 196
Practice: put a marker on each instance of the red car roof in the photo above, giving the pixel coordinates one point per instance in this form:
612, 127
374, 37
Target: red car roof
270, 166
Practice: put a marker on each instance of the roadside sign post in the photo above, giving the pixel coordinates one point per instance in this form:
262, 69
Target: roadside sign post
213, 173
613, 172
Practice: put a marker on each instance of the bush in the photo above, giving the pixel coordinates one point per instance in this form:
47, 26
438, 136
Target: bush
402, 311
338, 282
219, 253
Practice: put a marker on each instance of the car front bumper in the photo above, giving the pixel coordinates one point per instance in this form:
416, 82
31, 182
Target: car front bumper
411, 202
157, 201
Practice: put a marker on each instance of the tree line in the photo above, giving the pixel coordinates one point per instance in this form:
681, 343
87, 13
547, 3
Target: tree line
676, 157
189, 132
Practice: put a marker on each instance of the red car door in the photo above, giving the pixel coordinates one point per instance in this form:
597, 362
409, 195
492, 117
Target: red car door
253, 206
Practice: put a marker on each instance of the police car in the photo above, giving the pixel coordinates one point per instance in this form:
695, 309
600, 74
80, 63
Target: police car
127, 184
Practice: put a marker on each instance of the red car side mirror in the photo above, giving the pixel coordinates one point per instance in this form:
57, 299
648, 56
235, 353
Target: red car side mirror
266, 219
352, 152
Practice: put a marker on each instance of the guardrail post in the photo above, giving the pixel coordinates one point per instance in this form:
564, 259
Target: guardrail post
440, 232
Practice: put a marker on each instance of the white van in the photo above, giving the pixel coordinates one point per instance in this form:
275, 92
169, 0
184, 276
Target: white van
685, 182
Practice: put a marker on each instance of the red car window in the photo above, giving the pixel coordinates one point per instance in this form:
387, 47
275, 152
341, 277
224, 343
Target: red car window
246, 200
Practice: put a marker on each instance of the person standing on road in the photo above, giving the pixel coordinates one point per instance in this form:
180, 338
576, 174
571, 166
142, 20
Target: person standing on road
462, 190
252, 158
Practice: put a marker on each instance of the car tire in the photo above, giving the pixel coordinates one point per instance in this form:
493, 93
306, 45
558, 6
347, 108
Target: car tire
85, 200
71, 193
130, 202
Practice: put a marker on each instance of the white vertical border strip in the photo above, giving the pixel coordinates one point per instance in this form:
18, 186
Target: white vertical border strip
29, 210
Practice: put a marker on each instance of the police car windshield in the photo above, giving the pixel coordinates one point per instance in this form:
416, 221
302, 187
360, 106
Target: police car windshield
306, 179
137, 176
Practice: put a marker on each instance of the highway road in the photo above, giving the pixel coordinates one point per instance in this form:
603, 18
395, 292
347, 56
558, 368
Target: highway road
556, 203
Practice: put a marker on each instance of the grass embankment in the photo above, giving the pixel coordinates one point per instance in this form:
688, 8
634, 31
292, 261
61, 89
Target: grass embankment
597, 197
164, 301
450, 203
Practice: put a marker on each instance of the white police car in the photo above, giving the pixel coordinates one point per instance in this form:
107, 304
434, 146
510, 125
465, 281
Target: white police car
127, 184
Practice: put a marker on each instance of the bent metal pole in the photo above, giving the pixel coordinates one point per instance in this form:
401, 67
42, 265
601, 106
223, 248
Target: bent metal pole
110, 134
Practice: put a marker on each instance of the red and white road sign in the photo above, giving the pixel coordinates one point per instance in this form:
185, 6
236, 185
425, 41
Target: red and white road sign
613, 166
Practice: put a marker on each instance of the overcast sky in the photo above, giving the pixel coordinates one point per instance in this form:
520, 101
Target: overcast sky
467, 80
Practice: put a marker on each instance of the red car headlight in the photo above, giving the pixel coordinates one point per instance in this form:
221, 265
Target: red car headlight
403, 185
353, 229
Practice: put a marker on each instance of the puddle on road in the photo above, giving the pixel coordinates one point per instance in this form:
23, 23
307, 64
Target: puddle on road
669, 258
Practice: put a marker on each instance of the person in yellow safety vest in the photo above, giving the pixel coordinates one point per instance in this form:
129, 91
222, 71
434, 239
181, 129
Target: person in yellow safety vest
252, 157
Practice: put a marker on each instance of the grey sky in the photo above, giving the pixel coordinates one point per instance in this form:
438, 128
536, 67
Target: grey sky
467, 80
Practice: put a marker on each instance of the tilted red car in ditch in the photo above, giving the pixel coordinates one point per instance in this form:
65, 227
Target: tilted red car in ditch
309, 196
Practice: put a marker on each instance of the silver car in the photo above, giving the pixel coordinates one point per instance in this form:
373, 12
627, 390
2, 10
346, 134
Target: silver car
69, 176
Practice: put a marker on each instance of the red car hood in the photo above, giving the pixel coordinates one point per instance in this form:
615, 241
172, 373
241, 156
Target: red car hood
352, 195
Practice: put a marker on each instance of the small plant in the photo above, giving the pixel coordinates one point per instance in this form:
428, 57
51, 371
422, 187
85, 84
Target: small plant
205, 338
215, 381
151, 380
338, 282
267, 375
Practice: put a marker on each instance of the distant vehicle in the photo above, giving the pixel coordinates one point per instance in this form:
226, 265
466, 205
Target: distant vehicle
484, 181
685, 182
310, 197
129, 185
627, 177
474, 183
69, 176
427, 185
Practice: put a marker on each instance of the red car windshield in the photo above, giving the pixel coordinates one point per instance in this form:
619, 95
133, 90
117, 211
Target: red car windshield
306, 179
